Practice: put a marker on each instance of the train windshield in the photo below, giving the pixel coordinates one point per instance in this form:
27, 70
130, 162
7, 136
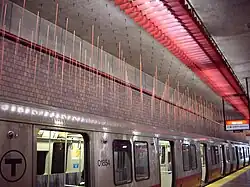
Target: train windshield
60, 159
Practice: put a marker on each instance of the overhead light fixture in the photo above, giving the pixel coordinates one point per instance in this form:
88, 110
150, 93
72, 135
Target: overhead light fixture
181, 33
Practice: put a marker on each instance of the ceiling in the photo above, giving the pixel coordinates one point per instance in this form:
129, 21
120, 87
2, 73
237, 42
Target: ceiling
228, 22
113, 26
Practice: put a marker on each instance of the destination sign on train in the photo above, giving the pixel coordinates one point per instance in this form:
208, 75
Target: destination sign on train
232, 125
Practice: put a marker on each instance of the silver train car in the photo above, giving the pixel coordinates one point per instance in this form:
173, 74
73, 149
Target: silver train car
43, 146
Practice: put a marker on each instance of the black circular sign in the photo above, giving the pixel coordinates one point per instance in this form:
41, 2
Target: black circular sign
13, 166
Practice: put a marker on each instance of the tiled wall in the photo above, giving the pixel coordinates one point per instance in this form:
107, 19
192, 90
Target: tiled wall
33, 76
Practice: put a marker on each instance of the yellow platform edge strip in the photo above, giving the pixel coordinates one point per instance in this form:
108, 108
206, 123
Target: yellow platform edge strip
228, 178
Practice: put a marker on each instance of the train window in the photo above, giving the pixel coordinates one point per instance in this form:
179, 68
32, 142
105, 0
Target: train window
233, 151
212, 155
41, 158
215, 155
141, 160
241, 155
213, 159
228, 154
193, 158
186, 157
163, 154
60, 158
169, 157
122, 162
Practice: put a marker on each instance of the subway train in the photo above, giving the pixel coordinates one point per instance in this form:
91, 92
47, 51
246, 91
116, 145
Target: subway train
43, 146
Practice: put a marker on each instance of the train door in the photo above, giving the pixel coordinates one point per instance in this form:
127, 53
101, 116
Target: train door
223, 159
126, 160
167, 163
62, 158
16, 158
203, 151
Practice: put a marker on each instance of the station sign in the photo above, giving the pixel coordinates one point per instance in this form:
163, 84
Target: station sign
236, 125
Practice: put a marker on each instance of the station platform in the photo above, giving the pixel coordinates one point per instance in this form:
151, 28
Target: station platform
240, 178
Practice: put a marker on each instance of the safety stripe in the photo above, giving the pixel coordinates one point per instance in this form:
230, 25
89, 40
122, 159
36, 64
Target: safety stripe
229, 178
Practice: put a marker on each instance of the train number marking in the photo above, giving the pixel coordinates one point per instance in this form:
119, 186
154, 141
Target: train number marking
103, 163
13, 166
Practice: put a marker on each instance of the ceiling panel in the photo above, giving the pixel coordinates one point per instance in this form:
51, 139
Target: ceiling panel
228, 22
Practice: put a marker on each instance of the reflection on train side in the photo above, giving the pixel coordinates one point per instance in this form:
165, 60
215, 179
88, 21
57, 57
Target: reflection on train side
60, 158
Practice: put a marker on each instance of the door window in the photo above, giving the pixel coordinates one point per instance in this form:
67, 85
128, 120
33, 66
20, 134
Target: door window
215, 158
193, 157
122, 162
163, 154
240, 152
233, 151
41, 158
141, 160
228, 154
185, 157
189, 157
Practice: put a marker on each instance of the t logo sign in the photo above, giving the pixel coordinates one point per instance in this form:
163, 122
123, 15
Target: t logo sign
13, 166
13, 162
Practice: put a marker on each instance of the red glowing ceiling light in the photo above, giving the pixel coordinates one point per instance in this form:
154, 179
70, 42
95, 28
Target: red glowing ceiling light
172, 24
